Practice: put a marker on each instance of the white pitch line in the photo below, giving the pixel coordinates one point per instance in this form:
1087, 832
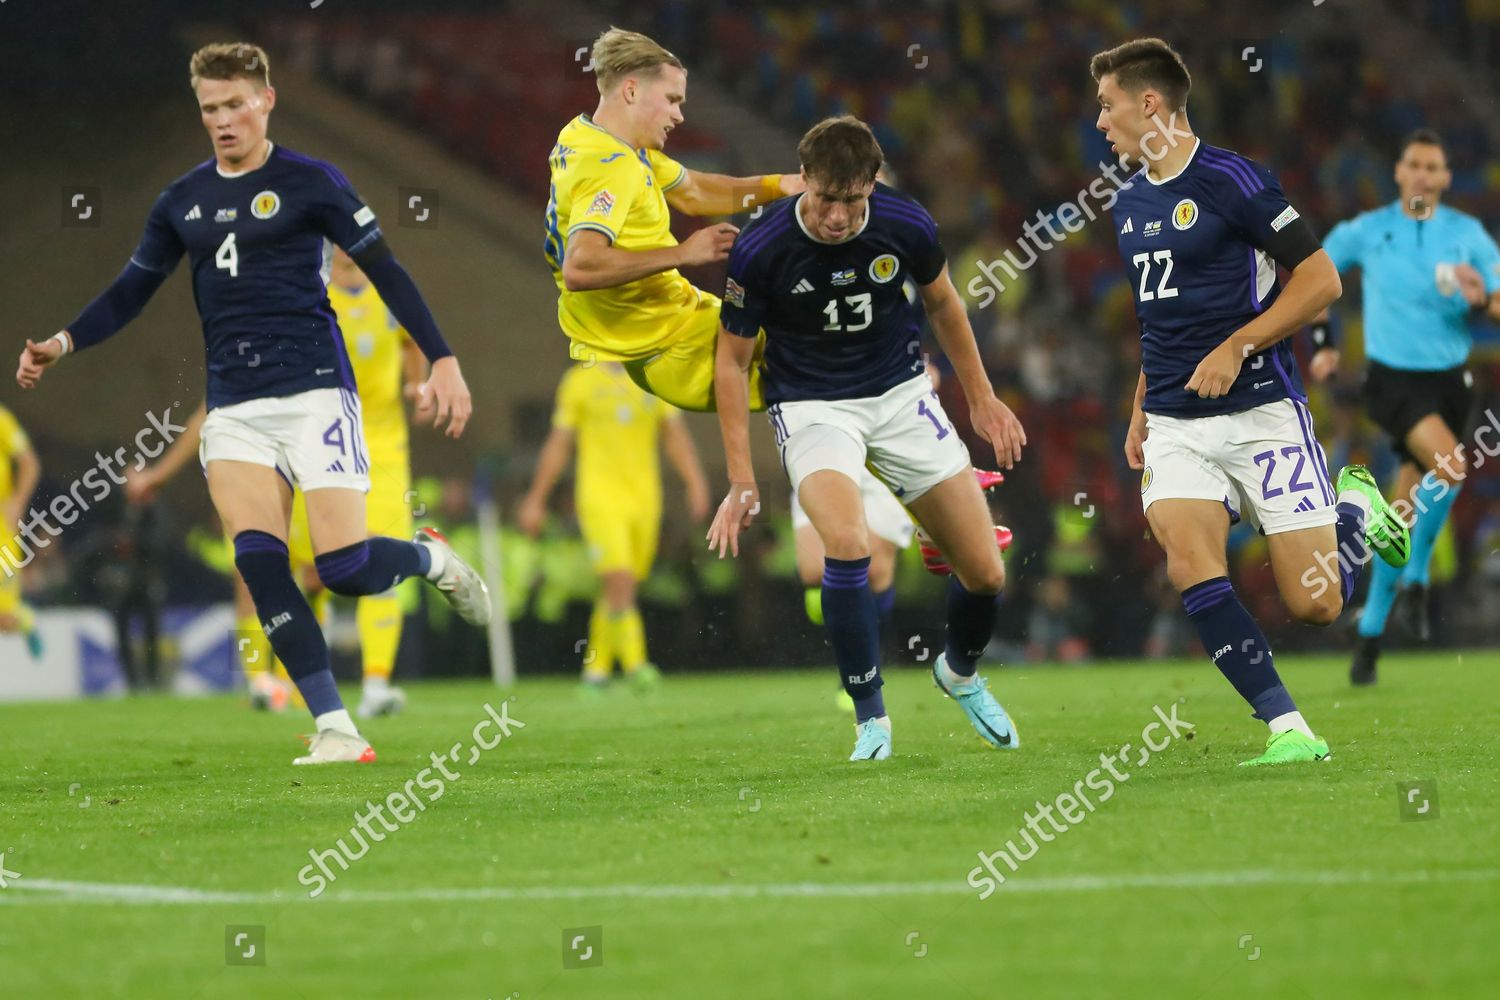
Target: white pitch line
41, 890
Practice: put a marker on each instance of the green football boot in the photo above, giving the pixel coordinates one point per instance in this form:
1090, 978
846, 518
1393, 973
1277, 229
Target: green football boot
1385, 532
1288, 747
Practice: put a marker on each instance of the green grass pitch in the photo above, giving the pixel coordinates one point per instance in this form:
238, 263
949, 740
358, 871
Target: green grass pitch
710, 840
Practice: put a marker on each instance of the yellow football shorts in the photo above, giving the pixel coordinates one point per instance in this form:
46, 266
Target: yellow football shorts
683, 374
622, 537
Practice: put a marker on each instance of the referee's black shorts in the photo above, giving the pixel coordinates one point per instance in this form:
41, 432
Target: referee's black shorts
1397, 400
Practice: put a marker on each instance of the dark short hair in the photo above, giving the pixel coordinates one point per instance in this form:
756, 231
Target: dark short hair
1421, 137
841, 152
1146, 62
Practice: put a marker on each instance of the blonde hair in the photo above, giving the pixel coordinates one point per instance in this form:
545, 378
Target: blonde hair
230, 61
618, 53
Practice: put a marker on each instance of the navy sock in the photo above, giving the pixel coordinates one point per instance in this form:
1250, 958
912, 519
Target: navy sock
1353, 553
290, 624
372, 566
971, 623
1237, 646
853, 627
885, 603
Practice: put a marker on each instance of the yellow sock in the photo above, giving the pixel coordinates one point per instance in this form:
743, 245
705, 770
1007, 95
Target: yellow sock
630, 639
379, 618
599, 655
253, 647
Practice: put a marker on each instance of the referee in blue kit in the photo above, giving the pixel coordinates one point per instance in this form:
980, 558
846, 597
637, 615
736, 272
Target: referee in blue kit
1428, 271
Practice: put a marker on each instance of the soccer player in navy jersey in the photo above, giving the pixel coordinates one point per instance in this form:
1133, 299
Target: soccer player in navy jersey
1220, 427
256, 222
823, 275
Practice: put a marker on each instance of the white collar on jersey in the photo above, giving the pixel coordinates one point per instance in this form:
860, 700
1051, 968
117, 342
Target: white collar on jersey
797, 211
270, 147
1196, 143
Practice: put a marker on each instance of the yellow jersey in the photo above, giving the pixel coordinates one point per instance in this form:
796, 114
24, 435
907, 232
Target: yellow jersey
13, 442
373, 339
617, 427
599, 182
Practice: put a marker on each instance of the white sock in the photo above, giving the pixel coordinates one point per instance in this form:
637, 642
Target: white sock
375, 684
1291, 720
439, 562
954, 677
338, 719
1358, 499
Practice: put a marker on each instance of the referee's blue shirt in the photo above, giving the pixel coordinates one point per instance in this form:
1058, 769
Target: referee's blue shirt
1409, 323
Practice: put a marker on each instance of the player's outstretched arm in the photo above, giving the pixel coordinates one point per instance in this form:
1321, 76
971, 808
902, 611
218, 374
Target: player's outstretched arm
550, 464
593, 262
1313, 287
101, 319
445, 394
142, 486
732, 360
720, 194
950, 322
683, 454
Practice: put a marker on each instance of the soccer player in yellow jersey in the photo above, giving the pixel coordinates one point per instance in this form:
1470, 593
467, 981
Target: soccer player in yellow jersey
609, 238
388, 367
20, 470
618, 496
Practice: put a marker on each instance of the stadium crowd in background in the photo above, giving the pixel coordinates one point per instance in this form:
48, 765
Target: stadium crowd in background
979, 110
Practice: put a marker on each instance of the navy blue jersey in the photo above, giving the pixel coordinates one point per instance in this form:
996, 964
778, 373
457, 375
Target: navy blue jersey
837, 318
259, 246
1201, 250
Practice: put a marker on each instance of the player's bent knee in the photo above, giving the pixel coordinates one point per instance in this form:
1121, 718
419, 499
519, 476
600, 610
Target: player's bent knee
1322, 609
988, 579
351, 572
847, 543
1185, 573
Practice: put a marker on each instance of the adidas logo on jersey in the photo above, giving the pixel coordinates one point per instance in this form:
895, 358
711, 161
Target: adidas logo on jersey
1129, 227
193, 213
335, 467
801, 286
1304, 506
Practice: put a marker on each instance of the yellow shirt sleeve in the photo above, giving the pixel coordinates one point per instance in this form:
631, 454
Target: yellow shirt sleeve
603, 193
667, 171
567, 412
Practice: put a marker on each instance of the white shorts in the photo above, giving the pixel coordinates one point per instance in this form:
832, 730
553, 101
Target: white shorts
884, 515
315, 439
1264, 463
903, 437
